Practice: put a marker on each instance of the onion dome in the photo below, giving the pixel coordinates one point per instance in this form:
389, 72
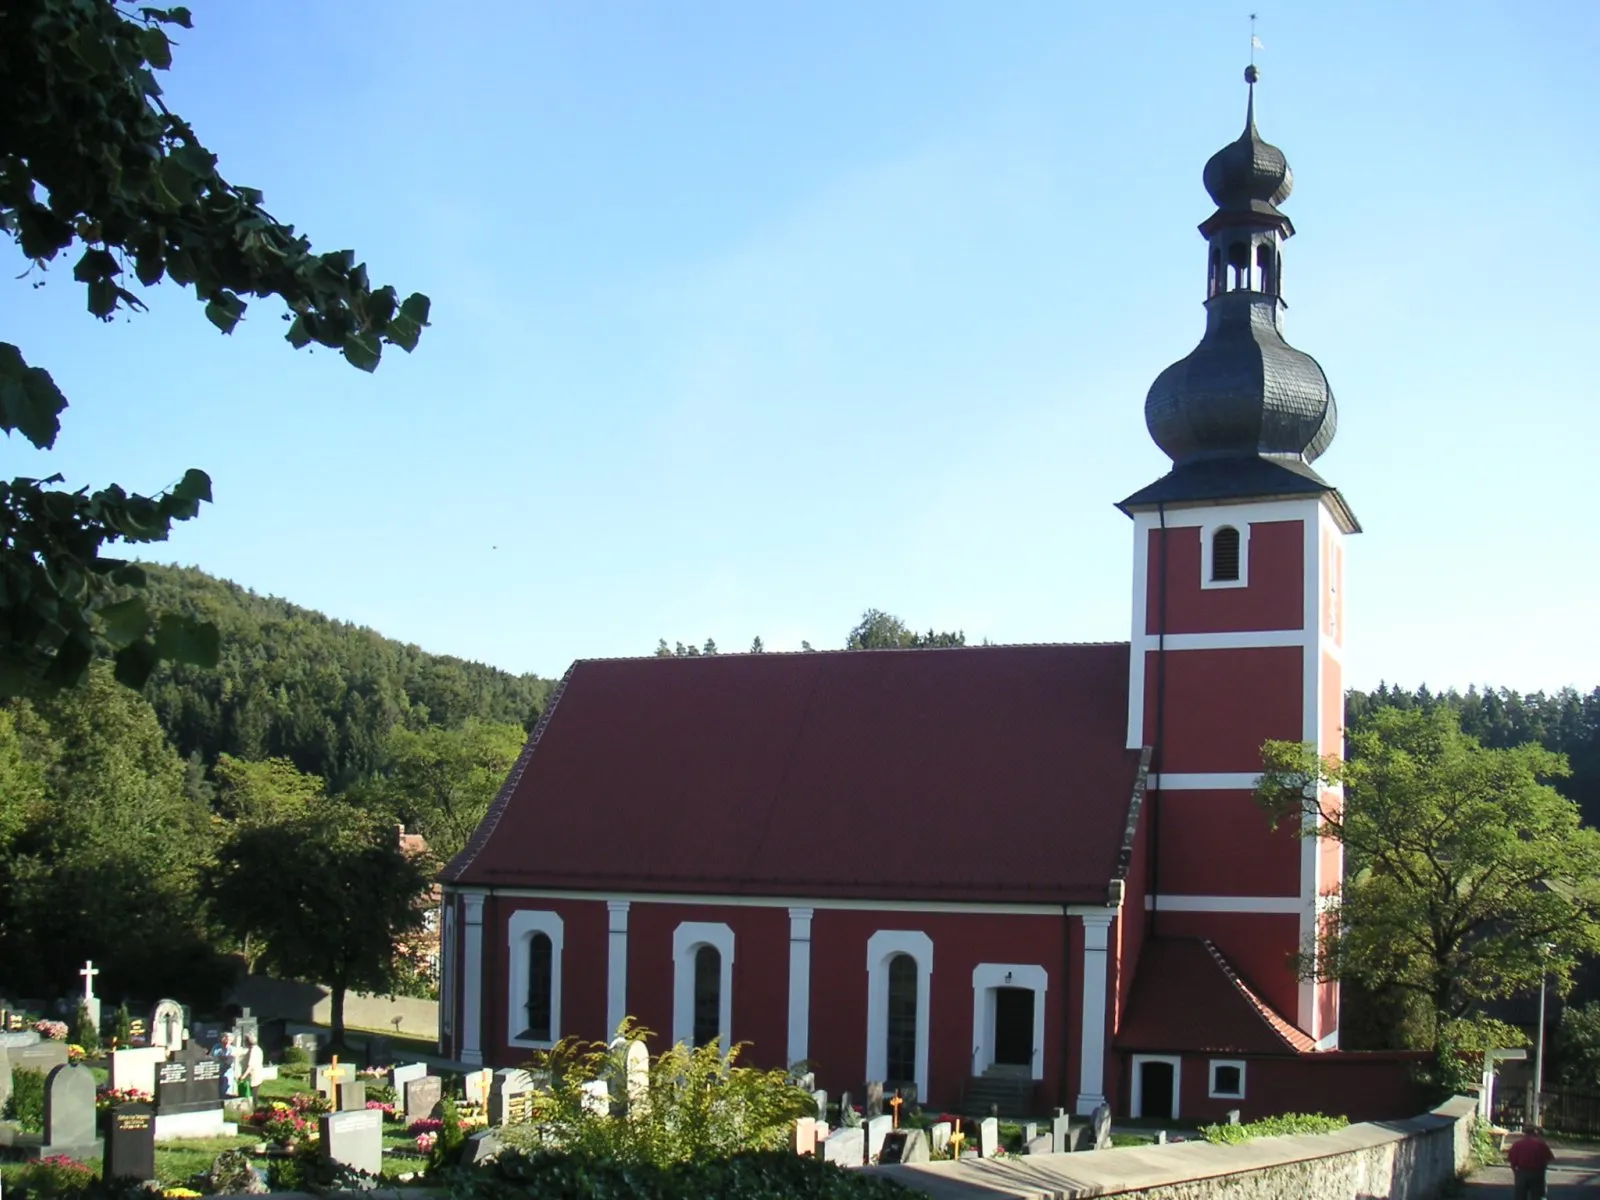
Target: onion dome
1249, 175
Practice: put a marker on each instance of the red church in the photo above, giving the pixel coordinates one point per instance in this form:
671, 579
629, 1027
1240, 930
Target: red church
1033, 876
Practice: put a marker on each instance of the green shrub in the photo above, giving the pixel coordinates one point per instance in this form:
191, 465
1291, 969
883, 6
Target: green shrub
293, 1056
447, 1146
1485, 1145
85, 1032
25, 1105
123, 1031
763, 1175
1286, 1124
231, 1174
696, 1104
50, 1178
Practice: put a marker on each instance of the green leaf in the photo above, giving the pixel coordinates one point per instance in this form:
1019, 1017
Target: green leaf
125, 622
180, 16
186, 640
134, 664
416, 307
95, 264
155, 47
362, 350
195, 485
298, 336
30, 402
103, 298
224, 311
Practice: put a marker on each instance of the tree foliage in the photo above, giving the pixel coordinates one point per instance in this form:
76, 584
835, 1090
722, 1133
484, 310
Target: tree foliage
328, 895
264, 793
1467, 877
879, 630
92, 159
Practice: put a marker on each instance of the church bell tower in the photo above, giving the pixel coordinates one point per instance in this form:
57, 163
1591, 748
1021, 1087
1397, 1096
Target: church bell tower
1237, 603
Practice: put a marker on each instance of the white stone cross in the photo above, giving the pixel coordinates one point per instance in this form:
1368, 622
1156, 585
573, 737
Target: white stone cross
89, 972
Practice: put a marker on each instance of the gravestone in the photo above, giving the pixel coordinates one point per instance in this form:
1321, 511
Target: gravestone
189, 1096
482, 1147
636, 1076
90, 1001
136, 1068
353, 1139
806, 1082
402, 1075
166, 1025
246, 1024
422, 1096
1102, 1127
1059, 1127
1029, 1132
475, 1086
1233, 1116
380, 1051
308, 1042
1161, 1137
803, 1136
508, 1084
69, 1116
988, 1137
845, 1146
329, 1077
1039, 1145
847, 1114
820, 1099
352, 1096
904, 1146
874, 1098
14, 1038
130, 1143
877, 1129
939, 1134
42, 1057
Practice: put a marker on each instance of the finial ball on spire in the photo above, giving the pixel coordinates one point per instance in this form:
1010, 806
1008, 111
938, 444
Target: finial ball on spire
1251, 74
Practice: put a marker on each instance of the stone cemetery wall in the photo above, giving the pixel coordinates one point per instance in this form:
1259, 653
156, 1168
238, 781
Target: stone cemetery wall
278, 999
1405, 1160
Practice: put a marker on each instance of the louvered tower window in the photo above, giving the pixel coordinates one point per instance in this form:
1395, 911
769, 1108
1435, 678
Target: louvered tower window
1225, 555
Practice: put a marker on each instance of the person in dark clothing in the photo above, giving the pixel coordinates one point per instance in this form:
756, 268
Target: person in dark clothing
1529, 1156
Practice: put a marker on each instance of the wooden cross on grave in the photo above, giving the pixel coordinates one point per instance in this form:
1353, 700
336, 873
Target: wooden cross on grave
895, 1104
956, 1139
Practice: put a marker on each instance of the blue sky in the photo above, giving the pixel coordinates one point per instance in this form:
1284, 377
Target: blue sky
748, 316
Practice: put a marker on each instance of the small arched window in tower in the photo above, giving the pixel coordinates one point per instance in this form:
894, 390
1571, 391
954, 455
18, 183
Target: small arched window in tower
1214, 277
707, 995
1239, 261
1267, 266
902, 1024
541, 979
1225, 555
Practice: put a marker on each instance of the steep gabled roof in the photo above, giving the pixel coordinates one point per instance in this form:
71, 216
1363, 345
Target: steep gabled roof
1187, 997
980, 773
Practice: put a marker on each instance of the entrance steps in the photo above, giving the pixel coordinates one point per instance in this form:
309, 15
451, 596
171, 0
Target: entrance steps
1009, 1095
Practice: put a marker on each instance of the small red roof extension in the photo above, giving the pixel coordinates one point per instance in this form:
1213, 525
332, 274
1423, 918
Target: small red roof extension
982, 773
1187, 997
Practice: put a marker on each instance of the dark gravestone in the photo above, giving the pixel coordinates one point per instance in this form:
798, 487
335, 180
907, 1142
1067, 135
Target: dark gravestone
190, 1082
422, 1096
130, 1143
904, 1146
380, 1051
354, 1140
874, 1099
352, 1096
69, 1116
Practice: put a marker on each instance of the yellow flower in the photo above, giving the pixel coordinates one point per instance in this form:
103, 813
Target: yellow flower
179, 1193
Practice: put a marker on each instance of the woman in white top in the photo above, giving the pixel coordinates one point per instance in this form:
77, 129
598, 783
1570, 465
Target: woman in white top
251, 1061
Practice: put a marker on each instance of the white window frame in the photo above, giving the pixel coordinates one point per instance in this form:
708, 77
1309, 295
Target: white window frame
447, 970
687, 939
519, 940
1208, 533
1211, 1089
881, 947
986, 979
1136, 1106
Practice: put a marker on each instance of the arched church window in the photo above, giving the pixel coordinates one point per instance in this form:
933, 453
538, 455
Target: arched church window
1266, 264
707, 995
1225, 555
541, 985
902, 1026
1239, 261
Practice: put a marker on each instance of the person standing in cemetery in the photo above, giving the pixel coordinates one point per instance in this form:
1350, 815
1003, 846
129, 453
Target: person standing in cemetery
1530, 1155
228, 1054
251, 1061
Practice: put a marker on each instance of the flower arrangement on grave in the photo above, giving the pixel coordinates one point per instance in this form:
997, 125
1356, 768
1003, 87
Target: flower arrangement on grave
426, 1141
56, 1031
76, 1053
472, 1116
372, 1073
106, 1097
179, 1193
389, 1111
312, 1104
56, 1175
424, 1125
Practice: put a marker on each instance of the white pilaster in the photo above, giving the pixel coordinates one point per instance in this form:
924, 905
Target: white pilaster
616, 964
472, 984
1092, 1035
799, 984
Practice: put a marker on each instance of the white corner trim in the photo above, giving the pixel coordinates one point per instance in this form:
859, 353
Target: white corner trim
616, 965
1092, 1034
799, 984
472, 981
1311, 731
1211, 1080
1245, 639
881, 947
449, 955
1208, 534
1205, 781
1136, 1105
1250, 512
520, 930
987, 978
687, 939
1141, 618
1225, 904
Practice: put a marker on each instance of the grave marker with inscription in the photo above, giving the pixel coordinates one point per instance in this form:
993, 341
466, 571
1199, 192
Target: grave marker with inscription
130, 1143
353, 1139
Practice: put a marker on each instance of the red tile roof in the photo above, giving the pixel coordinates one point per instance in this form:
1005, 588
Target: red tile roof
982, 773
1187, 997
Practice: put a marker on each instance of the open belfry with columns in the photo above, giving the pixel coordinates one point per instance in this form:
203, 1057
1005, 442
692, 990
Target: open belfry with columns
1021, 876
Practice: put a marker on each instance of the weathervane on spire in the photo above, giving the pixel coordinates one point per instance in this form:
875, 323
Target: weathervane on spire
1250, 72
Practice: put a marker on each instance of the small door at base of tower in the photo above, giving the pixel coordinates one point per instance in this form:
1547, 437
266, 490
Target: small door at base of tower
1013, 1027
1155, 1090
